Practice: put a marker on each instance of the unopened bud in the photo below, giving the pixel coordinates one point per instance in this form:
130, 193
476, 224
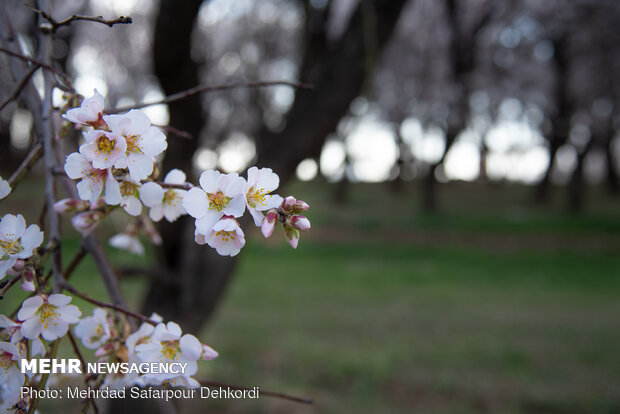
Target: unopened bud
269, 223
300, 206
292, 236
288, 204
208, 353
86, 222
70, 205
27, 281
299, 222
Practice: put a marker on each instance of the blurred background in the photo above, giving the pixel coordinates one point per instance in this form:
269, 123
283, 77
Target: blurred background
461, 161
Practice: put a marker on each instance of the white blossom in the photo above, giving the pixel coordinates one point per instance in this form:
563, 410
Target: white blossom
5, 188
218, 195
49, 317
92, 180
93, 330
260, 183
103, 148
226, 237
89, 113
167, 202
17, 241
128, 242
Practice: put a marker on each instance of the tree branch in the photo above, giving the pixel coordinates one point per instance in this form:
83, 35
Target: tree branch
66, 22
211, 88
118, 308
40, 63
30, 160
20, 86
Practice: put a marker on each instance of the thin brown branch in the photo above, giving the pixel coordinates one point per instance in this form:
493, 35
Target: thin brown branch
26, 165
40, 63
79, 255
8, 285
175, 131
118, 308
76, 349
20, 86
212, 88
56, 24
283, 396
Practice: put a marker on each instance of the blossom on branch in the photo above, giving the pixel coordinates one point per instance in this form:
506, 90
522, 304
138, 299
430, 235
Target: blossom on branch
260, 183
143, 142
93, 181
94, 331
167, 202
17, 241
103, 148
90, 112
226, 237
218, 195
47, 316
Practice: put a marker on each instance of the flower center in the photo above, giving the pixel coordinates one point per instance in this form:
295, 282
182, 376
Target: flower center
105, 144
217, 201
47, 313
98, 333
11, 246
5, 360
172, 198
226, 235
129, 189
256, 197
132, 144
170, 349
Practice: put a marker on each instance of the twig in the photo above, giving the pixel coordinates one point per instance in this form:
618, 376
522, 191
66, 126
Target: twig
28, 162
40, 63
20, 86
82, 361
66, 22
175, 131
79, 255
8, 286
118, 308
212, 88
283, 396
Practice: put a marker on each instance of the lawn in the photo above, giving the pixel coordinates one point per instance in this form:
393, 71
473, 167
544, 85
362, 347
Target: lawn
491, 306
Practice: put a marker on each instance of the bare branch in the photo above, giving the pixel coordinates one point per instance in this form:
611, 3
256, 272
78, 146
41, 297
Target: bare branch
55, 24
118, 308
8, 285
66, 79
30, 160
19, 86
212, 88
76, 349
283, 396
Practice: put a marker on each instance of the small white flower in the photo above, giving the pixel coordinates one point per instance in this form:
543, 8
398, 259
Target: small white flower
260, 184
103, 148
226, 237
89, 113
17, 241
94, 331
10, 331
128, 242
169, 345
5, 188
49, 317
218, 195
87, 221
92, 180
144, 142
168, 202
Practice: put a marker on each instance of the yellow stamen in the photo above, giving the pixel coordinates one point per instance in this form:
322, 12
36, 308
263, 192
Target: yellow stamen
171, 198
170, 349
217, 201
132, 144
47, 313
256, 197
129, 189
11, 246
226, 235
105, 145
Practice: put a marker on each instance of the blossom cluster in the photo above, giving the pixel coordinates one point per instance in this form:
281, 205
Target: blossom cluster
114, 166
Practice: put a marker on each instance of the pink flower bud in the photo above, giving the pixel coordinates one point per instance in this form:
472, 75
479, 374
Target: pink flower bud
300, 206
288, 204
69, 205
208, 353
292, 235
18, 266
300, 222
27, 281
86, 222
269, 223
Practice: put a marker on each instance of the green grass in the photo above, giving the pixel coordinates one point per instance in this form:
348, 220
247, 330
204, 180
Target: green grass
491, 306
